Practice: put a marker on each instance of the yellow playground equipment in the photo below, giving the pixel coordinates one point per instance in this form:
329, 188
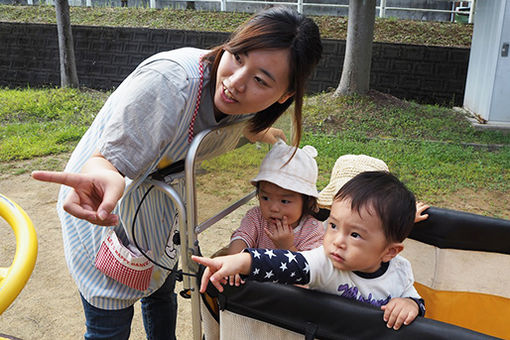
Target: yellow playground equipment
14, 278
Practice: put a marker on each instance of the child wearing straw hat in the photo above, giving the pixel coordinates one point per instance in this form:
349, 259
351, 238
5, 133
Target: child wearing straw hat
345, 168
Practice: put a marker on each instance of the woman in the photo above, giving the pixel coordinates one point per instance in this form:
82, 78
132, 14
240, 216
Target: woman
149, 121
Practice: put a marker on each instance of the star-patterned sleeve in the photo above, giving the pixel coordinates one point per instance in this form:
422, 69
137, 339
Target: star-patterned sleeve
279, 266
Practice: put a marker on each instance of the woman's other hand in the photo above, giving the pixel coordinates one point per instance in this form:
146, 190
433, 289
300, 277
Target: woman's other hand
269, 135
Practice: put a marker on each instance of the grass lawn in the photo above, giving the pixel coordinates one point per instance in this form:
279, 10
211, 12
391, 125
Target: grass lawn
433, 149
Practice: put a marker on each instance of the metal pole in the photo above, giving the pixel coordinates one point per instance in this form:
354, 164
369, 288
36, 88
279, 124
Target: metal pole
471, 11
382, 9
191, 243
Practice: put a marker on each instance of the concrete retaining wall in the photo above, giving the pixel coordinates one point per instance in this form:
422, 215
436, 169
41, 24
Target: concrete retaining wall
106, 55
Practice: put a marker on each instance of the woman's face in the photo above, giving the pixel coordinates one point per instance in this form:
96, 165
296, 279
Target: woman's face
252, 81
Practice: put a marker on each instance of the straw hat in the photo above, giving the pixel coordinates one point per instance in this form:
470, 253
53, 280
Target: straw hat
346, 167
298, 175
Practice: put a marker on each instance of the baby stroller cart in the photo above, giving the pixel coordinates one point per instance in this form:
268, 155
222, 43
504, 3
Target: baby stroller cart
461, 263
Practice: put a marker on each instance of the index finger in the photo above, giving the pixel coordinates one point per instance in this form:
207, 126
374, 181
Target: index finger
276, 226
65, 178
207, 272
285, 223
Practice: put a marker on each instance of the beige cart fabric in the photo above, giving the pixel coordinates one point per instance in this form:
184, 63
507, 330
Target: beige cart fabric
459, 270
234, 327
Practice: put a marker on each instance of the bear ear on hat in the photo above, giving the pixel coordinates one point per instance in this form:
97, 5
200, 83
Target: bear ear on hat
310, 150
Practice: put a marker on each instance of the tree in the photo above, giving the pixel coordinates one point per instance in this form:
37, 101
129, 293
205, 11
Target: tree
68, 74
355, 77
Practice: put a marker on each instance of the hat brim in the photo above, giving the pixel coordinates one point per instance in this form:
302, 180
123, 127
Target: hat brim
292, 183
327, 195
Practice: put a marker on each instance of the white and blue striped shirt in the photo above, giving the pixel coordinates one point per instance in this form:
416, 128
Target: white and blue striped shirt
145, 120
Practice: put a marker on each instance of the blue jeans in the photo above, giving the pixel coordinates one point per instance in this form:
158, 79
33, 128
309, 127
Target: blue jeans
159, 311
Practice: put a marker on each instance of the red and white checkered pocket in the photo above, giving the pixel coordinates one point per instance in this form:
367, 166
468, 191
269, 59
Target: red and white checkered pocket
127, 266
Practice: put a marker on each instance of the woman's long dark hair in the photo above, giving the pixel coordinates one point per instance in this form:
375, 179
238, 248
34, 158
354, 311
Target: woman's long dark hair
278, 28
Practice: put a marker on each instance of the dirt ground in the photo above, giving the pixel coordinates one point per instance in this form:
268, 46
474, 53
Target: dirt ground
49, 306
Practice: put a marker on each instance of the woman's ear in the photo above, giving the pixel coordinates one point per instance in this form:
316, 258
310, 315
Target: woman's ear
285, 96
392, 250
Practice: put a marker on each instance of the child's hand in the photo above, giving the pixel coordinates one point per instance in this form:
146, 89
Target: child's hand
235, 280
420, 208
399, 311
220, 268
281, 234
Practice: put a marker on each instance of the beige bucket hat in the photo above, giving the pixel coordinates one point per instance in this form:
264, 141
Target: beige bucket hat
346, 167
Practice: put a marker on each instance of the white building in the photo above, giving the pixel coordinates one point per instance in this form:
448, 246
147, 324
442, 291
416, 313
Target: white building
487, 94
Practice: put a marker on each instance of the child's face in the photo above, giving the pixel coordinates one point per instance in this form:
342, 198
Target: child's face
356, 242
276, 202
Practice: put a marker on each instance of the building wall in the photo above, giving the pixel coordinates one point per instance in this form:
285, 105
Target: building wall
488, 78
106, 55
